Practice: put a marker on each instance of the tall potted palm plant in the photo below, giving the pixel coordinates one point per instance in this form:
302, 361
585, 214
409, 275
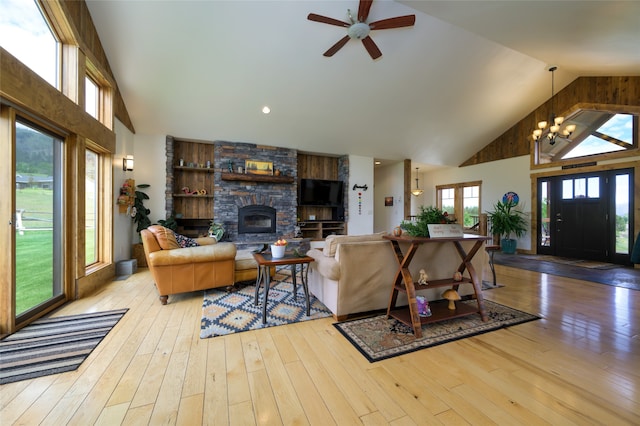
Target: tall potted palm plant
507, 222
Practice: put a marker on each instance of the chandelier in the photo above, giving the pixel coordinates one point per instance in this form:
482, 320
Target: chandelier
417, 191
554, 129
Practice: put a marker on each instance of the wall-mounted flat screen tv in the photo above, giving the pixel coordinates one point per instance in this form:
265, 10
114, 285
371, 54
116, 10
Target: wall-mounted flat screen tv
317, 192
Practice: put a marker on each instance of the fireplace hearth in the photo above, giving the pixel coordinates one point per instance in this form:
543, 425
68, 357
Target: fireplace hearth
256, 219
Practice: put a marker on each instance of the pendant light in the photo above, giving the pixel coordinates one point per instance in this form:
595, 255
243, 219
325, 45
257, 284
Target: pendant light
556, 122
417, 191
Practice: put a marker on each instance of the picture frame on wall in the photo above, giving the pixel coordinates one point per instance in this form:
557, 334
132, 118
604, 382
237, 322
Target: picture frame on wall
388, 201
253, 167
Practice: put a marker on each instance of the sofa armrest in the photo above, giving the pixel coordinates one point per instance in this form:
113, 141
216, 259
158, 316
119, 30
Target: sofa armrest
327, 266
206, 241
200, 254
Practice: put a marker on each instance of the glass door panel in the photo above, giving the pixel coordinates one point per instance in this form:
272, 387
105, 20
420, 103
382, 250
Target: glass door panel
38, 251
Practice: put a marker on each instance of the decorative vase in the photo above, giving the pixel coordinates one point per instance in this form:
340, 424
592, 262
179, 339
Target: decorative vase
277, 252
397, 231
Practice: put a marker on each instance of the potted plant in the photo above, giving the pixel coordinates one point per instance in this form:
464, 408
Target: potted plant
140, 215
428, 215
506, 221
216, 230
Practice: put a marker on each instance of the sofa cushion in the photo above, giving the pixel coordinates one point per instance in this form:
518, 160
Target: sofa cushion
185, 242
332, 241
166, 237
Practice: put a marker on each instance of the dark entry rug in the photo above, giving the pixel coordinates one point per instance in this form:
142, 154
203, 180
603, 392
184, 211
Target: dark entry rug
621, 276
53, 345
379, 338
227, 312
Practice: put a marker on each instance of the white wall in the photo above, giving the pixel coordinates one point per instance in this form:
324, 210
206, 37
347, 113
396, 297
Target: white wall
498, 178
122, 224
150, 168
388, 183
360, 215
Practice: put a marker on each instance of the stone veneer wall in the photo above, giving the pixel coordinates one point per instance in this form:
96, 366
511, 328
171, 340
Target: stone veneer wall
230, 195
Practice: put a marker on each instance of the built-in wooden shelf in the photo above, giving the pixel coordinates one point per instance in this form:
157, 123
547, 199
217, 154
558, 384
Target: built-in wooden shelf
192, 196
257, 178
194, 169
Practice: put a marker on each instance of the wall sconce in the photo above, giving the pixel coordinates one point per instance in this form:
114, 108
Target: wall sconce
127, 163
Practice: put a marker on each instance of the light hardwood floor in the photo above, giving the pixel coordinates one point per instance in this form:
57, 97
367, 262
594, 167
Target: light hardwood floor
580, 365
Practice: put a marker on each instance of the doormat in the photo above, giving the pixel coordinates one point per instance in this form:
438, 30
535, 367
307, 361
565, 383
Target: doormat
53, 345
227, 312
379, 337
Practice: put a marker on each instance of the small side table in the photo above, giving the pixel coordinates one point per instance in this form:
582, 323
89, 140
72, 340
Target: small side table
491, 249
266, 261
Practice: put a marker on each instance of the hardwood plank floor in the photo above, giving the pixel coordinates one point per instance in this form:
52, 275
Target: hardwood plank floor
577, 365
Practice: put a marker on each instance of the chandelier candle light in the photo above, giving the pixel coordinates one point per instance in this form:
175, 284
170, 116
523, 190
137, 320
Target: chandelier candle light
554, 130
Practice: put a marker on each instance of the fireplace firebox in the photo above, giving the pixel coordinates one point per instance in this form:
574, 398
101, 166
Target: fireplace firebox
256, 219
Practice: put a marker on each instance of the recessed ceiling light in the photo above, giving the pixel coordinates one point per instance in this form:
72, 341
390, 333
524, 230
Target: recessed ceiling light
377, 163
266, 109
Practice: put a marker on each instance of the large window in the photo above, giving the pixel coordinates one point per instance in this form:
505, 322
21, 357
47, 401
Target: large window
597, 133
91, 207
461, 200
25, 33
39, 219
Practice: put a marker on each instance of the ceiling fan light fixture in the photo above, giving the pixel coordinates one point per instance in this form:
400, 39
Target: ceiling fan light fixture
358, 30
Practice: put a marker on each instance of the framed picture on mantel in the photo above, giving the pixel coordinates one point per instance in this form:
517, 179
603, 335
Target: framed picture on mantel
252, 167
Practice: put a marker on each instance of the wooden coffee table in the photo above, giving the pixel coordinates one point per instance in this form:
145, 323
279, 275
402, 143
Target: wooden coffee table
265, 262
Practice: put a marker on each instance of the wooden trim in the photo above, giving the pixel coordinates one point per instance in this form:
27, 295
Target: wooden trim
257, 178
26, 90
7, 210
604, 92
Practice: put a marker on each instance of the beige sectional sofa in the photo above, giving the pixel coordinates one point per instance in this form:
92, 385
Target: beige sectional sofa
354, 273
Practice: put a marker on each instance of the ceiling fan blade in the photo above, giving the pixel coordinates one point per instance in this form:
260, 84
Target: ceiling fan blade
334, 49
325, 20
363, 10
397, 22
371, 47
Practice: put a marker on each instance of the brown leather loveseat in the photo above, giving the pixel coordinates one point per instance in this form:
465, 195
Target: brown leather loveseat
178, 270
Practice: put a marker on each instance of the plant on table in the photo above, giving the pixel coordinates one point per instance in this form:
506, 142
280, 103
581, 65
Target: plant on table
428, 216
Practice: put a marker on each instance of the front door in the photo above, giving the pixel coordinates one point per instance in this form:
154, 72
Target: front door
586, 216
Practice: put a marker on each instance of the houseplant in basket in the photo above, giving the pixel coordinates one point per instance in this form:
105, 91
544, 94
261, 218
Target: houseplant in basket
507, 221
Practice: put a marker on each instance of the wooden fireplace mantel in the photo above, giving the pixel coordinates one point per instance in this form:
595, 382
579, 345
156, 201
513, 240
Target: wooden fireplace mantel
257, 178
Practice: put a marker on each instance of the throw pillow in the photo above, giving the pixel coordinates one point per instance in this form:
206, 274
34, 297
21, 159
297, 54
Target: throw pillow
165, 237
185, 241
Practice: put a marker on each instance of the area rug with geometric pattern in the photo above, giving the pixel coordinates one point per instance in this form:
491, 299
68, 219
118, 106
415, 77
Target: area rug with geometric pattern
234, 311
53, 345
379, 337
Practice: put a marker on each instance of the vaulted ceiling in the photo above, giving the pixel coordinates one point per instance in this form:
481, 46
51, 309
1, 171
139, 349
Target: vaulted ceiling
442, 90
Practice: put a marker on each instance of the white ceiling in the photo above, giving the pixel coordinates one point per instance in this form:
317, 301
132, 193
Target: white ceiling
443, 89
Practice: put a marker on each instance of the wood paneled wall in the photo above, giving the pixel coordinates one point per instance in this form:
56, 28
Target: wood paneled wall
317, 167
584, 92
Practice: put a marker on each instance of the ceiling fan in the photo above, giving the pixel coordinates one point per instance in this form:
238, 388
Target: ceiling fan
358, 28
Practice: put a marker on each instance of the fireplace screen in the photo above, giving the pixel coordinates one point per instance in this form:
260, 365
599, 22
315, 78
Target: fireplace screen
256, 219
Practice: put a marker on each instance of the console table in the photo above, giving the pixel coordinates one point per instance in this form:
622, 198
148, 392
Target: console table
404, 282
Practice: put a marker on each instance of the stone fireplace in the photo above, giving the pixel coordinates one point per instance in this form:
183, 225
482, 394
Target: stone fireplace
255, 210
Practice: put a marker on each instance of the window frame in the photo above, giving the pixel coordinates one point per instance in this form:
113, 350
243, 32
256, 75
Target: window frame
458, 189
